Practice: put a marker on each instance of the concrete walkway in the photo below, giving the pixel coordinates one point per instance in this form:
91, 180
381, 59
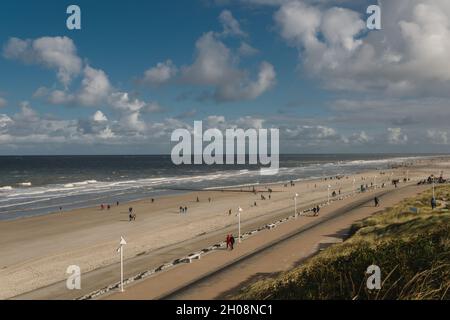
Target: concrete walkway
220, 273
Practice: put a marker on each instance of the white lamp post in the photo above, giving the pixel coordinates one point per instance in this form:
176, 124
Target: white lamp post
328, 194
295, 205
433, 188
120, 249
239, 223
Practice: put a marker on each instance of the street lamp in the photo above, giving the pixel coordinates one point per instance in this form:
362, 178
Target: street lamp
433, 189
239, 223
295, 205
120, 249
328, 194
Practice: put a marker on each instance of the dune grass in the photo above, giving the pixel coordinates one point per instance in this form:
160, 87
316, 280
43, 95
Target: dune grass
412, 250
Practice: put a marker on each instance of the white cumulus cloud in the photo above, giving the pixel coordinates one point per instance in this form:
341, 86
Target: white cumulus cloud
52, 52
230, 24
408, 56
161, 73
99, 117
215, 65
396, 136
437, 136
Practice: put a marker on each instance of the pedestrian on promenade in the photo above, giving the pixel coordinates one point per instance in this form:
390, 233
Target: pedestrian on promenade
232, 242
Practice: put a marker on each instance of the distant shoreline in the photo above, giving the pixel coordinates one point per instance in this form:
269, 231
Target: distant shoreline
34, 206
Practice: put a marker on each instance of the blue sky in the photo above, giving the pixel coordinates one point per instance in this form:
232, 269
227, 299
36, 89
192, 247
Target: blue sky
140, 69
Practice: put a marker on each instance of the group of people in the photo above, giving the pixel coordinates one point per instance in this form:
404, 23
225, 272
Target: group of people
291, 183
107, 206
183, 210
230, 241
316, 210
431, 179
264, 198
131, 214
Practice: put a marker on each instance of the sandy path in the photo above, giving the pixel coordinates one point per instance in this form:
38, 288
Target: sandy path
37, 251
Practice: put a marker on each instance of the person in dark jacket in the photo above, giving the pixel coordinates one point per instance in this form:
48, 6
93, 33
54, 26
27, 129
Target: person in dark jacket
433, 203
232, 242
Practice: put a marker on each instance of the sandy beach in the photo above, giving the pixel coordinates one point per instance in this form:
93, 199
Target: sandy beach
36, 251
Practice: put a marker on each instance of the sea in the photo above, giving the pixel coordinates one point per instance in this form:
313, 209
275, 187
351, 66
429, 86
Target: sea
36, 185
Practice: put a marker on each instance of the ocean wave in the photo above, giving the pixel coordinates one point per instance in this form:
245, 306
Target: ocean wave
80, 183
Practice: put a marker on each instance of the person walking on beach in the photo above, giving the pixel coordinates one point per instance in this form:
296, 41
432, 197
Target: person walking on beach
228, 241
377, 201
185, 210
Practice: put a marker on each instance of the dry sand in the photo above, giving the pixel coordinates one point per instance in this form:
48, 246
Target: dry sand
36, 251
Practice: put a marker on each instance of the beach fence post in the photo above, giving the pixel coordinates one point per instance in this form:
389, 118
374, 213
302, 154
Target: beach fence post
295, 205
239, 223
120, 249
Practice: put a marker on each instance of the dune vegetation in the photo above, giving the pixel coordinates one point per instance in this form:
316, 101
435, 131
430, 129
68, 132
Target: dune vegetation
411, 248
